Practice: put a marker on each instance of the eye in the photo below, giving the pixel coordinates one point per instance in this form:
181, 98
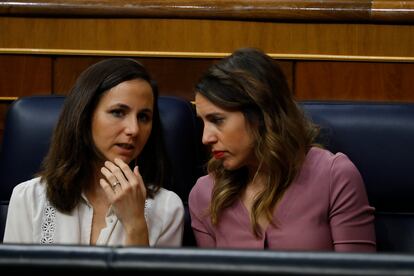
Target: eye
144, 117
217, 120
117, 113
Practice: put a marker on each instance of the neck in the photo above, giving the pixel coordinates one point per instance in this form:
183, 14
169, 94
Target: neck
95, 193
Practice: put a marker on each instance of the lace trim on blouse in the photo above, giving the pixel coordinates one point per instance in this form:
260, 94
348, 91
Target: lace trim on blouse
146, 207
48, 225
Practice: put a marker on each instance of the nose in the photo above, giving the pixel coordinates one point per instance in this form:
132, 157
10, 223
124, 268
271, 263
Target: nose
131, 126
209, 137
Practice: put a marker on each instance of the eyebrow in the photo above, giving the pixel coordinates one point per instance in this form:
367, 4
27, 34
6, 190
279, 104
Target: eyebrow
146, 110
125, 106
120, 105
213, 115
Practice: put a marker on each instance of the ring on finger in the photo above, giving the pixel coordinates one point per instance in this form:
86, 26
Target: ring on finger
115, 184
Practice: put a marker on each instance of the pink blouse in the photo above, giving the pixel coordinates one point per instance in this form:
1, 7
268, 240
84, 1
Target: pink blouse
325, 209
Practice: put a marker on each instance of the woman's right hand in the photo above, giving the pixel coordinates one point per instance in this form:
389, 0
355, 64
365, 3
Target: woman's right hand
126, 193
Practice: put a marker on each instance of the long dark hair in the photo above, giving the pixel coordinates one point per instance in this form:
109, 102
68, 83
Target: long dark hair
69, 165
250, 81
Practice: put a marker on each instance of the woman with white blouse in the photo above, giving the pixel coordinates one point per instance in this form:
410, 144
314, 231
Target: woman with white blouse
101, 181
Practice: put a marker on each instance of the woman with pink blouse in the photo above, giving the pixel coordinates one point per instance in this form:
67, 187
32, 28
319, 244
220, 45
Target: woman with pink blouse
268, 184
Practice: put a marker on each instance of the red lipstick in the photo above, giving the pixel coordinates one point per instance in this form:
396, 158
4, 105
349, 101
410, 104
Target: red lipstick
218, 154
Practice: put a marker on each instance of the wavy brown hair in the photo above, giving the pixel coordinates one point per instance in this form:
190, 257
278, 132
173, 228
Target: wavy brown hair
69, 166
250, 81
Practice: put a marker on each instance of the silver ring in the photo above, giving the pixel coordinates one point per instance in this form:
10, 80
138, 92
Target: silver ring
115, 183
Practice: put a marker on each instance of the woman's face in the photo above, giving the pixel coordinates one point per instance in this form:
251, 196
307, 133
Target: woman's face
122, 120
227, 133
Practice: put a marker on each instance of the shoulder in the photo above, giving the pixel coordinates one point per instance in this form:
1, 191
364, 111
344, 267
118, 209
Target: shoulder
318, 156
335, 162
339, 169
333, 167
165, 201
28, 197
203, 186
201, 192
164, 195
29, 190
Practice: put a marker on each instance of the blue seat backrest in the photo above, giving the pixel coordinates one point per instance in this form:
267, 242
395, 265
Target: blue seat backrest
379, 139
29, 126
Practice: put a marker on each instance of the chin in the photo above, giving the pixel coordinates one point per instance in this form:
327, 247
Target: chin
230, 167
124, 158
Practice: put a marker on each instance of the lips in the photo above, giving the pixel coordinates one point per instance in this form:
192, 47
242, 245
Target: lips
218, 154
125, 149
126, 146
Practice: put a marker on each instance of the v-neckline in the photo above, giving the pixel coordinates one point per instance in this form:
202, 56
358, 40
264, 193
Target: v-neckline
246, 217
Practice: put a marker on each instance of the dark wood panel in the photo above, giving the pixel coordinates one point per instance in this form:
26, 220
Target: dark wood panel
25, 75
293, 10
200, 38
67, 69
354, 81
179, 77
175, 76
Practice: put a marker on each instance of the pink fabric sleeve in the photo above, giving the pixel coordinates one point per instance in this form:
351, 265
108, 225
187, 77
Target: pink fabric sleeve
199, 201
351, 216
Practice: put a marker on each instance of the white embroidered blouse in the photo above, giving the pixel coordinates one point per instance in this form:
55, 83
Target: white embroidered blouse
31, 219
